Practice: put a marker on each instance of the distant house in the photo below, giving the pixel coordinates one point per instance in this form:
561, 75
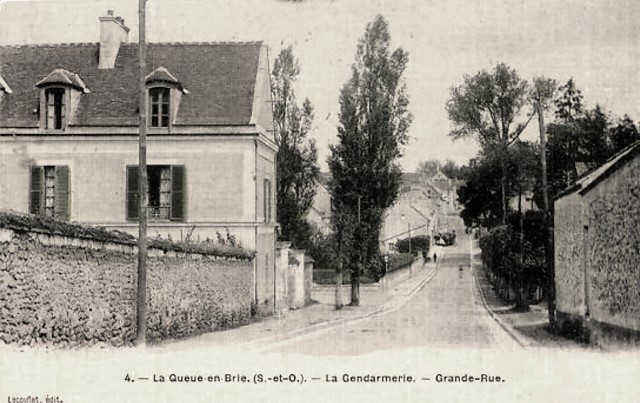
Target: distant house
319, 214
402, 220
417, 211
597, 250
69, 139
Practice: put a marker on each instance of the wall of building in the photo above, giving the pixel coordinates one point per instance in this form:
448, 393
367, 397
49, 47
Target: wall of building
219, 174
70, 292
265, 230
614, 248
569, 268
401, 220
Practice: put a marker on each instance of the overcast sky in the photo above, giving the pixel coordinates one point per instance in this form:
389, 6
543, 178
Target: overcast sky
595, 41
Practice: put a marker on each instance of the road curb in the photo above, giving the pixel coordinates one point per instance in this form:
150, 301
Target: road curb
515, 335
383, 309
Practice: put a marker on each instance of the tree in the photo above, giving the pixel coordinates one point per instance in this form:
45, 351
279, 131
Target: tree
429, 167
624, 134
524, 169
372, 130
449, 168
569, 104
486, 106
578, 139
480, 195
297, 167
452, 170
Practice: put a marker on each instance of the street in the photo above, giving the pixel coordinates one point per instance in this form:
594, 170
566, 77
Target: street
447, 313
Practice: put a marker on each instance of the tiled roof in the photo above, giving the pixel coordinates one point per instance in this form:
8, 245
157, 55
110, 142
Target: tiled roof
221, 79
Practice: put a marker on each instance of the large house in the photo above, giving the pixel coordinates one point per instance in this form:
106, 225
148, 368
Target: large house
69, 139
597, 250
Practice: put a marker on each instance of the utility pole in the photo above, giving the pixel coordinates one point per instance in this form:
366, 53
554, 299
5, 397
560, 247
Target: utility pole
551, 286
142, 184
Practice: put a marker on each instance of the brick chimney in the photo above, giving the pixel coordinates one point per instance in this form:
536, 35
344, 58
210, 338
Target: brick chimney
112, 33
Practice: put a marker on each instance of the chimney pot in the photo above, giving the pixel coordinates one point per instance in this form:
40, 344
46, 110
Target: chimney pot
110, 13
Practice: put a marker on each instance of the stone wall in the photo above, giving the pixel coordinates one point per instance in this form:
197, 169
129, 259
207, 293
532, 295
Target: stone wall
597, 255
614, 248
569, 268
67, 292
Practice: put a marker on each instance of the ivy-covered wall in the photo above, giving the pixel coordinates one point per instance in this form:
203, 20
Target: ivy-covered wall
62, 291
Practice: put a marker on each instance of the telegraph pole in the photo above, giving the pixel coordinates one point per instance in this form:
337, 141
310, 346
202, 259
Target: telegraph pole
551, 286
142, 178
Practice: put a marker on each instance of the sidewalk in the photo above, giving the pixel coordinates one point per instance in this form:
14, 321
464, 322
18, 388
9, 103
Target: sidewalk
530, 329
374, 300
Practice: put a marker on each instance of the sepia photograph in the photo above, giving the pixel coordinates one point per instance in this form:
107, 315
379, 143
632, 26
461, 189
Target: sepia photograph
319, 200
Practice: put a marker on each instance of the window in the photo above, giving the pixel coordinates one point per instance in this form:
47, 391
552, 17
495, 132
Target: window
159, 102
49, 191
266, 196
165, 192
56, 111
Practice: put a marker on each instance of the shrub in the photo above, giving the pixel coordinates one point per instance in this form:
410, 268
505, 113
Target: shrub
419, 244
400, 260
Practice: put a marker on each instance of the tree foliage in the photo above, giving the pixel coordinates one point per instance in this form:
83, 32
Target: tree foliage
579, 139
373, 124
487, 106
449, 168
624, 133
481, 197
297, 167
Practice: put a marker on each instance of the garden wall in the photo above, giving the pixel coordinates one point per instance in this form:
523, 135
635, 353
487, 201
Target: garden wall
65, 291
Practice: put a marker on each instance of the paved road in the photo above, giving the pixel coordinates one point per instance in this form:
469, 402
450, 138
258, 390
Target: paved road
447, 312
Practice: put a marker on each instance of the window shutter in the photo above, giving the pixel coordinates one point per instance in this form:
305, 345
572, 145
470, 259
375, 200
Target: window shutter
62, 193
177, 193
133, 204
36, 190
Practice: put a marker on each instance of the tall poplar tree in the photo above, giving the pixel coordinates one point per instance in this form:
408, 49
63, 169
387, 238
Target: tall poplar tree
297, 167
372, 130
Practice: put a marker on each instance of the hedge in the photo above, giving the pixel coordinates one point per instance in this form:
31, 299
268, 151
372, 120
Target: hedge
418, 243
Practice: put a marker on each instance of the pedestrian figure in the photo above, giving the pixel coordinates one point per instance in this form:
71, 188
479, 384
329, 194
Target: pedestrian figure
435, 258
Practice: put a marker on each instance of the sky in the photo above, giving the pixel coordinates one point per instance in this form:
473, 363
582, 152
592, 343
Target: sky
597, 42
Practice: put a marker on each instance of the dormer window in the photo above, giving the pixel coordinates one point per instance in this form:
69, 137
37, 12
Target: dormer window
56, 111
60, 94
4, 87
159, 100
165, 92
